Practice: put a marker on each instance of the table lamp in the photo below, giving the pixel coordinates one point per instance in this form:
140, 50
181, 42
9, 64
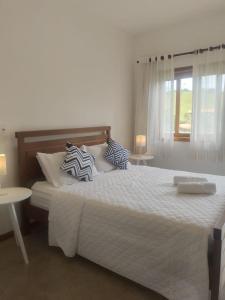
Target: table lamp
3, 169
140, 143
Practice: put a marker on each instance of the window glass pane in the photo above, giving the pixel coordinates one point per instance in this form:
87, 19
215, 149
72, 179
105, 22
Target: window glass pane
209, 95
169, 103
185, 105
174, 103
223, 88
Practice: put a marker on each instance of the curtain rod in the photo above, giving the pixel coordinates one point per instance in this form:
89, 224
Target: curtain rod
201, 50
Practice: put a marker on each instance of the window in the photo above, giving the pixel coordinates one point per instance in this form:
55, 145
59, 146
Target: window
183, 103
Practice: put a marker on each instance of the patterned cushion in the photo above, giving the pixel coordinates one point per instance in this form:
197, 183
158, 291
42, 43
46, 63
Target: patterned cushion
116, 154
78, 163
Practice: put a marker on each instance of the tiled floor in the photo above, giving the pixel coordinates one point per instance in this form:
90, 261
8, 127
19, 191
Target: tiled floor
50, 275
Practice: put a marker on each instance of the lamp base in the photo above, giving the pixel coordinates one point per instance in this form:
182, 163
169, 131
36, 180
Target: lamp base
2, 192
140, 150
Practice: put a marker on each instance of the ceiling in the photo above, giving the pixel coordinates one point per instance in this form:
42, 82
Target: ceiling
137, 16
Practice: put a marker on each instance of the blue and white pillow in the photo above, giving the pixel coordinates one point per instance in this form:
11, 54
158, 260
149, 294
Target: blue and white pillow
116, 154
78, 163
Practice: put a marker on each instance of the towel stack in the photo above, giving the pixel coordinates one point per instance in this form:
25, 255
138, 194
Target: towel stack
194, 185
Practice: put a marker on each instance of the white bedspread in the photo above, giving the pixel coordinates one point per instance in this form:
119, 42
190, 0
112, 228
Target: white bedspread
134, 223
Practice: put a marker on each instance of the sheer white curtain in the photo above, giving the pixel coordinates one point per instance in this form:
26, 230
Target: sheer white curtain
155, 104
208, 111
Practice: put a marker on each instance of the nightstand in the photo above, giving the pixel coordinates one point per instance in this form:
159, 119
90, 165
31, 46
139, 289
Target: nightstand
141, 158
10, 196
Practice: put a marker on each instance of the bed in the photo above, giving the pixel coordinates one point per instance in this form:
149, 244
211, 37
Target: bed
121, 215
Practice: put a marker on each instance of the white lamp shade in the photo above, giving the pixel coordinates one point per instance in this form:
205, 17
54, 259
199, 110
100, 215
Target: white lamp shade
140, 140
3, 169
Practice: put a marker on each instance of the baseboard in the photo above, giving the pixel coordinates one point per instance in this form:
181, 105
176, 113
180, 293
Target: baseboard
6, 236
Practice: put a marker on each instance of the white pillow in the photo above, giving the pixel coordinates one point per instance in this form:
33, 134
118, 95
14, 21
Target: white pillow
50, 165
98, 151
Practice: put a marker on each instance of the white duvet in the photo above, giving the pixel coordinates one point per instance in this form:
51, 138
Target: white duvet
134, 223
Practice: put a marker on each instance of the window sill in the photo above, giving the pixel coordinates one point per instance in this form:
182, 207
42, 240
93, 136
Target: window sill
182, 138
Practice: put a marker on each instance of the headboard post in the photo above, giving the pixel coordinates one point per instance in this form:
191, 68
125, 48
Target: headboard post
108, 133
21, 159
50, 141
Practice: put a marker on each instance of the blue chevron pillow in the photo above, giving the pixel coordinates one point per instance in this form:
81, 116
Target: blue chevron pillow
78, 163
116, 154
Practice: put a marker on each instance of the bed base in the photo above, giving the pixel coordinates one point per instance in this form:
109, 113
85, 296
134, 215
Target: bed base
29, 171
218, 263
32, 215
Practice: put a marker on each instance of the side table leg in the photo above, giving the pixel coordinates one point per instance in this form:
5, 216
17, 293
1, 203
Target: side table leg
17, 232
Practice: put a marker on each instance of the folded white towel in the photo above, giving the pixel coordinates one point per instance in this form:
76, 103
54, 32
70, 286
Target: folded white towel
180, 179
196, 188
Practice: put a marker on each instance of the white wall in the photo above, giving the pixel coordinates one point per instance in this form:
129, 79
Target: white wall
60, 68
180, 38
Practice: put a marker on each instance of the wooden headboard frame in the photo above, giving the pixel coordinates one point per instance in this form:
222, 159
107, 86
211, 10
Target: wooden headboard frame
50, 141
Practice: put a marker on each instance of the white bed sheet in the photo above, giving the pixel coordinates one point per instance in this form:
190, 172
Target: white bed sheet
153, 186
134, 223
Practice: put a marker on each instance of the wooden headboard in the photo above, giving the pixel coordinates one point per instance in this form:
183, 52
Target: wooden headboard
50, 141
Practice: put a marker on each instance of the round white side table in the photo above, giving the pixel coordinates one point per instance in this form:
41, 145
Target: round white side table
9, 196
141, 158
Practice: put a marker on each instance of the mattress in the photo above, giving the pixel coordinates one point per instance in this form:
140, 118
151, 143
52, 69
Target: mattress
134, 223
42, 193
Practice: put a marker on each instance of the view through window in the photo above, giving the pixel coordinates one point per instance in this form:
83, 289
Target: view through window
183, 103
210, 86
